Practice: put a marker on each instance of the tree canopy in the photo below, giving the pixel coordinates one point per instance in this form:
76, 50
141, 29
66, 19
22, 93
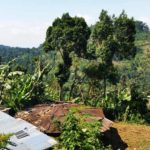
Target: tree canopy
113, 37
67, 35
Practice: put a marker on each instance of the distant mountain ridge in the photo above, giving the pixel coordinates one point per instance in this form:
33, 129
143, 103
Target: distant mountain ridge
14, 47
8, 53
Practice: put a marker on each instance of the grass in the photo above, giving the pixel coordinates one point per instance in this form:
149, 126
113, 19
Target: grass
137, 137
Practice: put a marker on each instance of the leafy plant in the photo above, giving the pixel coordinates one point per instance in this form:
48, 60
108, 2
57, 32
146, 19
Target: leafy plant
18, 88
4, 140
78, 134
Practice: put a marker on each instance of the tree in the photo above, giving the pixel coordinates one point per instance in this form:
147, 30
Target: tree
113, 38
105, 46
66, 35
125, 36
141, 26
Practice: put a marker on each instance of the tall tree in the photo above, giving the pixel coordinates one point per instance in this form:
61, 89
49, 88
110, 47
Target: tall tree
102, 37
125, 36
66, 35
113, 38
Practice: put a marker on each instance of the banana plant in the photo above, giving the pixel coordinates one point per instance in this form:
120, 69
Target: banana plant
17, 87
124, 95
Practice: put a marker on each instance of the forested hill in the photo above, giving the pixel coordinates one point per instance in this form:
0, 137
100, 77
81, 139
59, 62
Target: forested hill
142, 41
8, 53
142, 34
25, 57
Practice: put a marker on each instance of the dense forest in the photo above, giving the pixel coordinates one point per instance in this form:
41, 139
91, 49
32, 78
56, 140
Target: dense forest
105, 65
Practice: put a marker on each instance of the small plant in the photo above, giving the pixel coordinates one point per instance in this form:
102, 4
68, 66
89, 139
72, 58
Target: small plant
78, 134
4, 139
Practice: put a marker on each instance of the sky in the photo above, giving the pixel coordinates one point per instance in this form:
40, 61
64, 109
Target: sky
23, 23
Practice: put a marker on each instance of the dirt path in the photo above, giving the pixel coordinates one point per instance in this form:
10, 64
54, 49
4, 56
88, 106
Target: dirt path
137, 137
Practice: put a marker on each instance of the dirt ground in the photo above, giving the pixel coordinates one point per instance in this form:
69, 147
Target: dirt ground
137, 137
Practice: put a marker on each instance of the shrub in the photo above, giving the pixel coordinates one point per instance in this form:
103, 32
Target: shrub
78, 134
4, 140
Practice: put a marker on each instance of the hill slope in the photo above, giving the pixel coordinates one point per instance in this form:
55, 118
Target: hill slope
8, 53
137, 137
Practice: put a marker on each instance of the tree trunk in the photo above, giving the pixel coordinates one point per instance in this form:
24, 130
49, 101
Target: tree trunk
73, 84
61, 93
71, 89
104, 89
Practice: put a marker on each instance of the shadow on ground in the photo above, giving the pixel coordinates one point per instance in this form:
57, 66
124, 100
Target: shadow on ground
111, 137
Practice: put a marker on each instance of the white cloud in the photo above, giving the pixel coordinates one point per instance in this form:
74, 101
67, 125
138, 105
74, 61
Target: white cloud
22, 34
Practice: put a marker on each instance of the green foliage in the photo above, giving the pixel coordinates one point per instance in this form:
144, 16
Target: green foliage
142, 39
66, 35
126, 103
24, 57
125, 36
18, 88
95, 66
105, 47
77, 134
4, 139
111, 37
141, 26
103, 28
51, 93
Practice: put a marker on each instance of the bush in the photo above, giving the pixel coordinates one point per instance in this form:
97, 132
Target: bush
78, 134
4, 140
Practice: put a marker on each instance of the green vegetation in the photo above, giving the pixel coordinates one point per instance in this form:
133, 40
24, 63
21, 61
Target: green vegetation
4, 139
67, 35
106, 65
19, 89
77, 134
25, 57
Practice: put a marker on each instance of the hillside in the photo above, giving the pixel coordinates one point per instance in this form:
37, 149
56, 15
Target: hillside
137, 137
24, 57
142, 36
8, 53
